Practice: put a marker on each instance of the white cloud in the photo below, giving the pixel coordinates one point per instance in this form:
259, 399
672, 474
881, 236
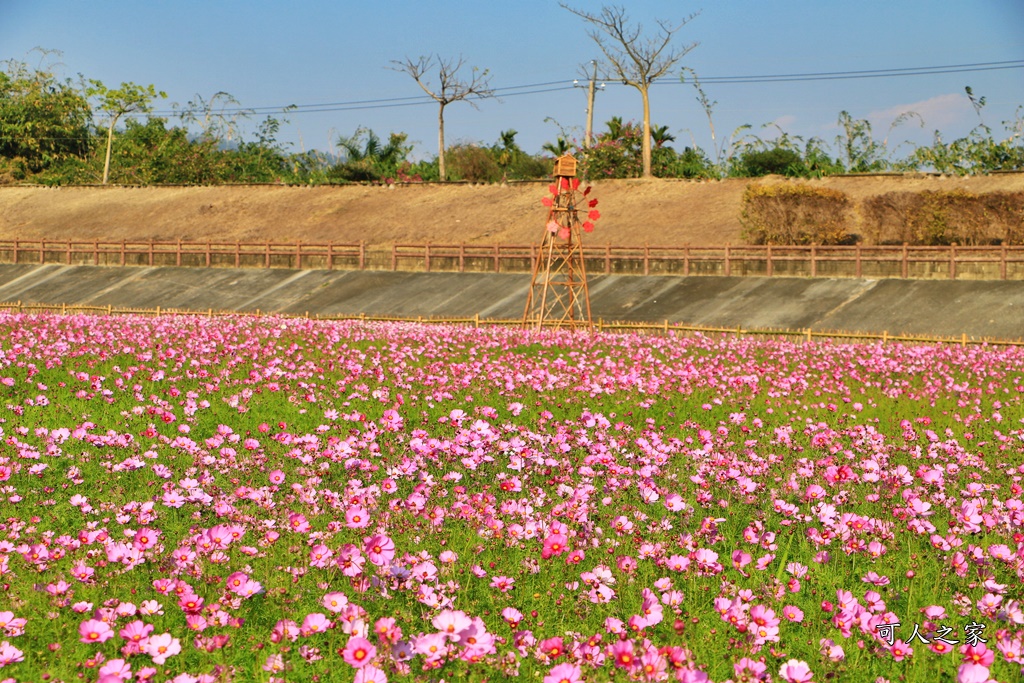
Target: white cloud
938, 112
784, 121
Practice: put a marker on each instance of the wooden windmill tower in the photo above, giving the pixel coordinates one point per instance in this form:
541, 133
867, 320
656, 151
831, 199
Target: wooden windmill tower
558, 294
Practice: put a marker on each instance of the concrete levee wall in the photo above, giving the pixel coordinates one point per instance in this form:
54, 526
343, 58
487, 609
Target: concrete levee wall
978, 308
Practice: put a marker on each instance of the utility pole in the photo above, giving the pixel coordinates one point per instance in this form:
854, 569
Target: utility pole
590, 104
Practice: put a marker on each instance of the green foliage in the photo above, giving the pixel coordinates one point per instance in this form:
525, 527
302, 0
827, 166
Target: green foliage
368, 159
43, 120
773, 161
515, 164
472, 163
795, 214
115, 103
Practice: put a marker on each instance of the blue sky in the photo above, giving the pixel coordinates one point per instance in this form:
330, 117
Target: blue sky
272, 54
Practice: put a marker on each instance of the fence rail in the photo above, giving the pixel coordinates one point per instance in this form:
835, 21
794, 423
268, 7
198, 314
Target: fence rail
896, 261
664, 327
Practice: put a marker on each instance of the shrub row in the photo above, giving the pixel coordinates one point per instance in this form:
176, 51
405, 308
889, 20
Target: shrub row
802, 214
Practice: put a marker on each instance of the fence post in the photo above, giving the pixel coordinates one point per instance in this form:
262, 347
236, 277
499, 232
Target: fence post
768, 265
647, 256
728, 261
952, 262
122, 252
426, 256
608, 258
814, 260
462, 257
42, 251
362, 255
298, 255
330, 255
497, 259
150, 252
69, 252
177, 253
1002, 261
15, 259
904, 268
858, 266
686, 261
208, 256
394, 256
238, 254
266, 261
95, 252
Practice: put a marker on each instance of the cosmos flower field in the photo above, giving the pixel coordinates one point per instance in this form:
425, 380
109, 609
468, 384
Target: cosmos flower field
271, 499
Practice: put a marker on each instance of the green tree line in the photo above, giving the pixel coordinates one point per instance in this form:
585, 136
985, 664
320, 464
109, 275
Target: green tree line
56, 131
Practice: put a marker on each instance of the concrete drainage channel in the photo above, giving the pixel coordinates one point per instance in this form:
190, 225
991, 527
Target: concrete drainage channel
978, 308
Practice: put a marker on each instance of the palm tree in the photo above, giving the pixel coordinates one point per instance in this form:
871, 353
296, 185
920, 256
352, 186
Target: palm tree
557, 148
660, 135
615, 128
508, 150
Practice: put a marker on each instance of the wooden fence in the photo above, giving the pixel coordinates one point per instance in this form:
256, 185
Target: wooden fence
899, 261
600, 326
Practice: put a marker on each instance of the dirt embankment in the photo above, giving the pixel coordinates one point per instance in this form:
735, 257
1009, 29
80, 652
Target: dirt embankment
634, 212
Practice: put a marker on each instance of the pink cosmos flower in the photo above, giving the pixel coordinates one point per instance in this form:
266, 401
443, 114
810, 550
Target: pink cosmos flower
118, 668
161, 647
10, 654
622, 652
276, 477
95, 631
901, 651
796, 671
432, 646
335, 602
274, 663
512, 616
969, 672
370, 674
554, 545
314, 623
358, 652
978, 654
503, 584
451, 622
356, 517
380, 549
566, 672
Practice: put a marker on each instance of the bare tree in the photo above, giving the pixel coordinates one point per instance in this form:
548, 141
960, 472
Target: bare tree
635, 59
450, 88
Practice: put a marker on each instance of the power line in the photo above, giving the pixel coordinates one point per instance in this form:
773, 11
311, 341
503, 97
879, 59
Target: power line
877, 73
383, 103
556, 86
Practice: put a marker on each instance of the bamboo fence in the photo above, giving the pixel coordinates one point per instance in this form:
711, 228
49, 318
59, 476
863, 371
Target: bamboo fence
665, 327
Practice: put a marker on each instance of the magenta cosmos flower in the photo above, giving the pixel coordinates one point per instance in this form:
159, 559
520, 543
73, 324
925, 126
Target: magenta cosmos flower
380, 549
359, 652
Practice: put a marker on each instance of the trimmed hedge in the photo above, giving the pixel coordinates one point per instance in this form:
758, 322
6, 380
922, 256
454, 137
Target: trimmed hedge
796, 214
947, 217
801, 214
